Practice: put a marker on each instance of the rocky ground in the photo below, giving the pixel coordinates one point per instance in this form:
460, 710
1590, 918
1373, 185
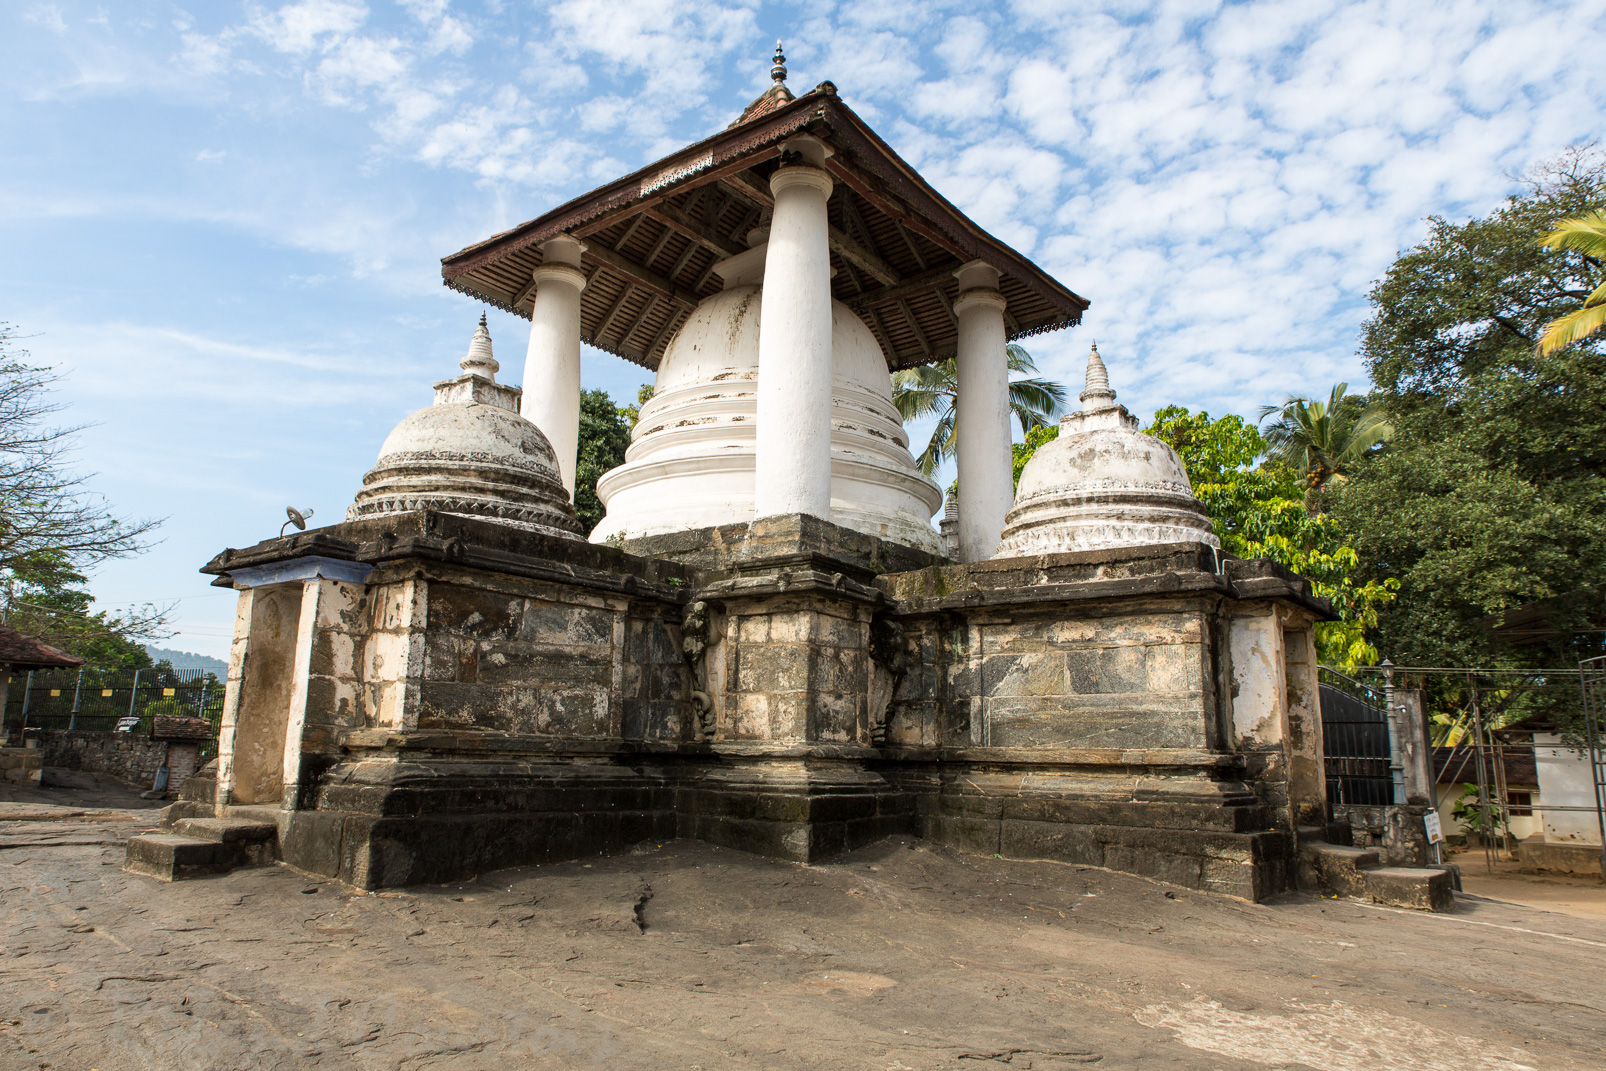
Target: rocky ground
690, 957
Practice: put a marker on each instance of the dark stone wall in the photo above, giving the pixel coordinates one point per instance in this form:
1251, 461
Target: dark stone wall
125, 756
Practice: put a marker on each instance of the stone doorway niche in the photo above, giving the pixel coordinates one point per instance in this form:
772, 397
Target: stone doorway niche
268, 677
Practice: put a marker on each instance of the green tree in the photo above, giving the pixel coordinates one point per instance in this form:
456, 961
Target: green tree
1492, 492
44, 596
1324, 440
632, 413
53, 530
930, 389
604, 437
1258, 511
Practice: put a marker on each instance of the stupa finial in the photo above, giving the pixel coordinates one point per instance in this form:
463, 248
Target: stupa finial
1098, 389
778, 64
478, 360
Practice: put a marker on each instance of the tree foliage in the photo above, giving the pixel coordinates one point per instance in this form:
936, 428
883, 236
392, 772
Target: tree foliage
604, 437
1586, 236
1258, 511
1324, 440
54, 531
929, 390
1492, 492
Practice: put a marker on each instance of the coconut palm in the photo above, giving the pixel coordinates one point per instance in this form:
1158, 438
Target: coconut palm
1324, 440
1587, 235
930, 390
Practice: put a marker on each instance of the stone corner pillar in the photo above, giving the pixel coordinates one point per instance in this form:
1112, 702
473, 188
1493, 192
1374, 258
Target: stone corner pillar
552, 363
986, 483
793, 464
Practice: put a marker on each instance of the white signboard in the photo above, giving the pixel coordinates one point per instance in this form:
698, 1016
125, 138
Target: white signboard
1435, 830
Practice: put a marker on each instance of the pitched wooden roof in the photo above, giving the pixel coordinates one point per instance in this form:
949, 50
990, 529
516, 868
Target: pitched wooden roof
653, 237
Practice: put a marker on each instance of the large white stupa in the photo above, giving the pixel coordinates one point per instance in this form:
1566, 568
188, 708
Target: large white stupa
1102, 484
692, 459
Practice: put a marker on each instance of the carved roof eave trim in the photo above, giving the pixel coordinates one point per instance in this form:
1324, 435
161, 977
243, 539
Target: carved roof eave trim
863, 161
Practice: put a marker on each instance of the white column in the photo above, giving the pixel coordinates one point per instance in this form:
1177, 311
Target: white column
793, 466
986, 484
552, 364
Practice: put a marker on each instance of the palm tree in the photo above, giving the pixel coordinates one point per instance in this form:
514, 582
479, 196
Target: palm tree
1324, 440
1587, 235
930, 389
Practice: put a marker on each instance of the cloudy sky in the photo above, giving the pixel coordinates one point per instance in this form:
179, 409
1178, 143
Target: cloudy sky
224, 220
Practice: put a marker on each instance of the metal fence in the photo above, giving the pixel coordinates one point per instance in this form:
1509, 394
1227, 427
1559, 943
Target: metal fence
1355, 741
100, 701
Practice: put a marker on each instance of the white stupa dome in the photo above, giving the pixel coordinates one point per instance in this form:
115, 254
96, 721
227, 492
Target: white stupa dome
1102, 483
470, 454
691, 459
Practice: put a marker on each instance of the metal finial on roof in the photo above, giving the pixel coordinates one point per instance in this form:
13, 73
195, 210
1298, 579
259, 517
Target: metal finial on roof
778, 64
1098, 382
478, 359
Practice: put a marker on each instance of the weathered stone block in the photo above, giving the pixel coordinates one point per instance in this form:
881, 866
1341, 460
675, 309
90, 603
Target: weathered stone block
573, 713
838, 717
1184, 870
773, 668
1051, 840
1106, 670
1024, 674
980, 835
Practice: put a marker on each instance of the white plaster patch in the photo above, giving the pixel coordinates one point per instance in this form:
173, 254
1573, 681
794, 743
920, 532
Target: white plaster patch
1328, 1037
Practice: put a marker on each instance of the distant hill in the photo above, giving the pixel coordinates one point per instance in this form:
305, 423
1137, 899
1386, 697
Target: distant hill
186, 660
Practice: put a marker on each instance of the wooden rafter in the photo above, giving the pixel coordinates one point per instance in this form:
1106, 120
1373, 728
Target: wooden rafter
643, 277
613, 310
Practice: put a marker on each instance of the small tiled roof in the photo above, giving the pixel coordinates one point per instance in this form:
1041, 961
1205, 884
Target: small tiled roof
24, 652
175, 727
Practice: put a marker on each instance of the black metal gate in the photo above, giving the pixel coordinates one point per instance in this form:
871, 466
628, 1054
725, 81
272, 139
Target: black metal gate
1355, 741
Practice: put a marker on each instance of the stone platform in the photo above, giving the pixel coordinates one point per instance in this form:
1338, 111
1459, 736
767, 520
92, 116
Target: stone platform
428, 696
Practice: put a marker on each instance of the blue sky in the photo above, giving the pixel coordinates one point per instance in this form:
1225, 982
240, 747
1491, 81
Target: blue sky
224, 221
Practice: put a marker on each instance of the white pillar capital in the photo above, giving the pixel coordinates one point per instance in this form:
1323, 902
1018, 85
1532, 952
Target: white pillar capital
800, 175
814, 151
978, 275
976, 299
792, 469
562, 250
559, 273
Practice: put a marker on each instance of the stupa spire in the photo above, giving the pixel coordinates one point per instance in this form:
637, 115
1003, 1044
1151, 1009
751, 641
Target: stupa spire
478, 359
1097, 391
778, 64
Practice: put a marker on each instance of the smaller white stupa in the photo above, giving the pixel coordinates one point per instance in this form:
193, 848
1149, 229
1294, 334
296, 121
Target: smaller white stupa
470, 454
1101, 484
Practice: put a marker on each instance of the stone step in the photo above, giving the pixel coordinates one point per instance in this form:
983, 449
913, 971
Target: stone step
1423, 888
1335, 868
227, 830
170, 857
196, 847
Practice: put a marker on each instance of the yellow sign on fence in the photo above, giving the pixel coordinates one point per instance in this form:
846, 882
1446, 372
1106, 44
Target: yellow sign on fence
105, 691
55, 691
168, 691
